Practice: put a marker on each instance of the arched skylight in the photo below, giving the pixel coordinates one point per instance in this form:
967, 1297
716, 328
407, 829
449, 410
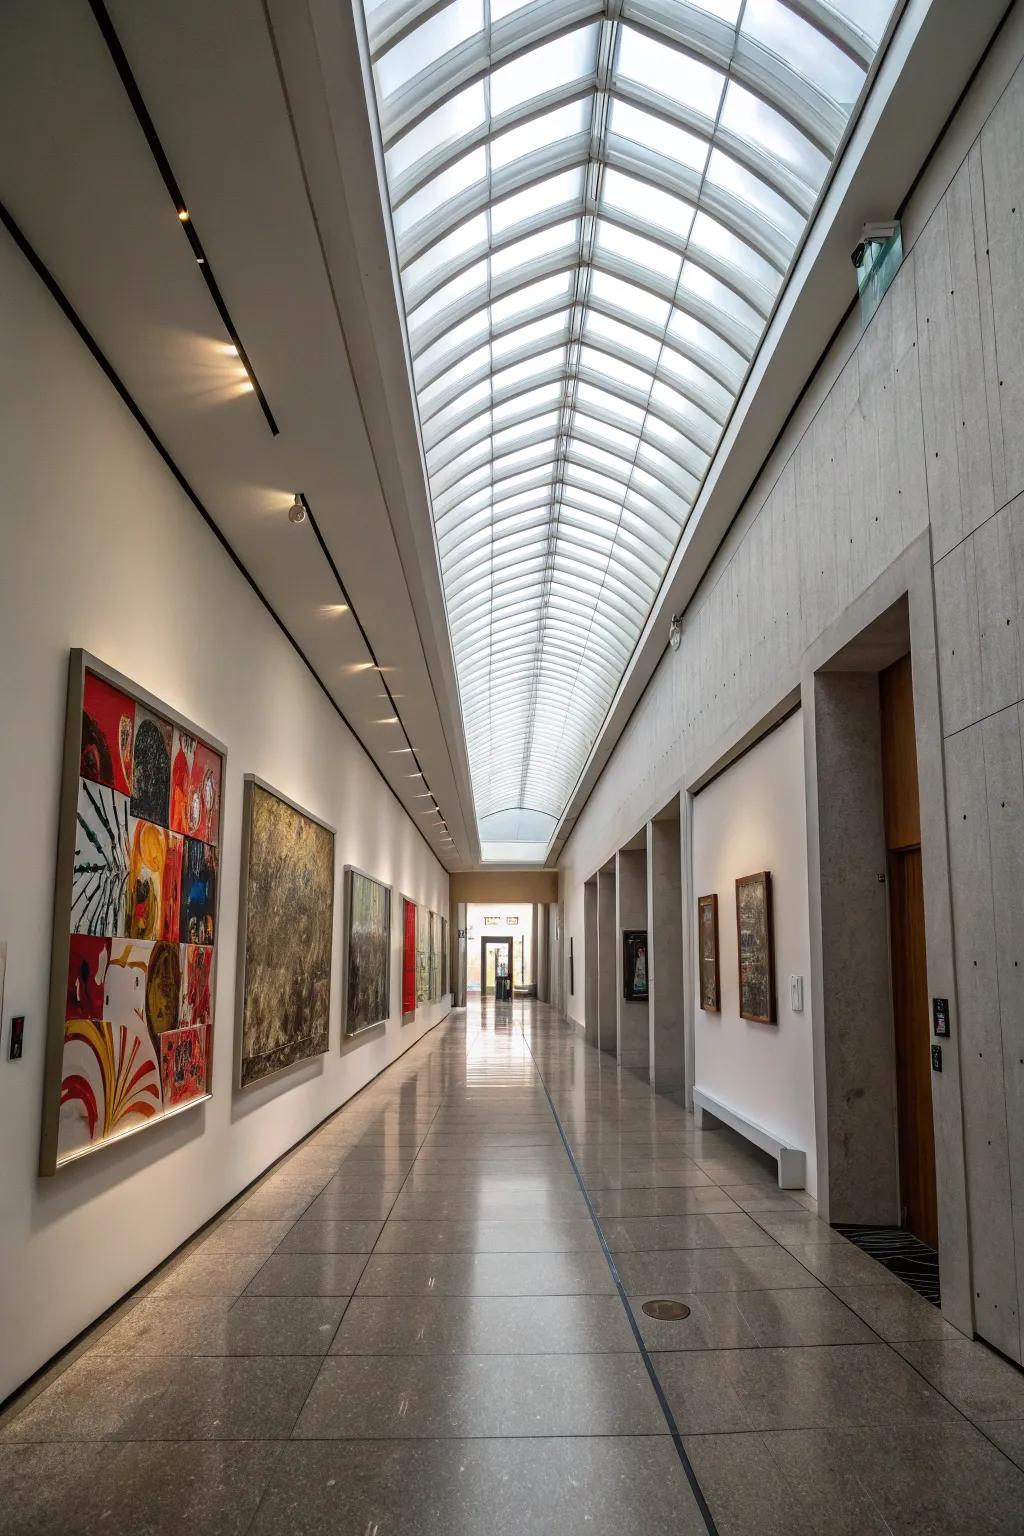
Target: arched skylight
594, 207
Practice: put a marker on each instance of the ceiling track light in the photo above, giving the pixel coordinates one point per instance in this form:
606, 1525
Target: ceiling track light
297, 512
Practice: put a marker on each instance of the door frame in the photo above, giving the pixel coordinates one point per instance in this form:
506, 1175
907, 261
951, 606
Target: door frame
483, 962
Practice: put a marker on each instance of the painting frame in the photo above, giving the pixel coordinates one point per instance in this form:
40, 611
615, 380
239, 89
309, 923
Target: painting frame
707, 927
250, 783
633, 941
347, 1032
80, 663
760, 882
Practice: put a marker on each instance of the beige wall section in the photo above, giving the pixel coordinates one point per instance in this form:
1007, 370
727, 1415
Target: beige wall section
512, 885
101, 549
913, 428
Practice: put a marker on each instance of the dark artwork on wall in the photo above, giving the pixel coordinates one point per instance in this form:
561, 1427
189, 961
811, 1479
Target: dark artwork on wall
634, 965
285, 934
755, 940
707, 953
572, 970
367, 998
445, 988
131, 1015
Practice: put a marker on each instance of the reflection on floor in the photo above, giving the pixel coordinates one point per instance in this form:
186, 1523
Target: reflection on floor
905, 1255
413, 1327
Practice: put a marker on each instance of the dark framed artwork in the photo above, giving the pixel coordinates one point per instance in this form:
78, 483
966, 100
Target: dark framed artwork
634, 965
572, 970
707, 953
755, 944
285, 935
368, 987
445, 944
135, 930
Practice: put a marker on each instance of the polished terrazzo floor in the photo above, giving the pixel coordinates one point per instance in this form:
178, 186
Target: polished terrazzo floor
419, 1325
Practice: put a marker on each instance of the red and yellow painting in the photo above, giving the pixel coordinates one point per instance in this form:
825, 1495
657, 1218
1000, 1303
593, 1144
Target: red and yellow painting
154, 883
183, 1065
196, 1008
195, 788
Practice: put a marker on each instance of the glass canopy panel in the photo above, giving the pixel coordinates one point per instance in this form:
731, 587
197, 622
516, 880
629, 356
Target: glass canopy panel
595, 209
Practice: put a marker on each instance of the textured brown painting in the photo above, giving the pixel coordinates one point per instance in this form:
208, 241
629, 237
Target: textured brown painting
756, 947
287, 928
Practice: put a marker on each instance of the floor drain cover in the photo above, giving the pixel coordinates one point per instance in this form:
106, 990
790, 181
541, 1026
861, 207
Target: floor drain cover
666, 1311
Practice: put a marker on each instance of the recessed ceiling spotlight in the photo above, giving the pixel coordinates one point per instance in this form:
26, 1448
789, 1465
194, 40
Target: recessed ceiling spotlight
417, 775
297, 512
387, 720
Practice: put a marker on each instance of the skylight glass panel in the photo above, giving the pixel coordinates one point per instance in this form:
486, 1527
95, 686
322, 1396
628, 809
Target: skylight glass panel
561, 476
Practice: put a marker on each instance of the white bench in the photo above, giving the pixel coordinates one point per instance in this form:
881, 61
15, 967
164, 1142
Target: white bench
792, 1163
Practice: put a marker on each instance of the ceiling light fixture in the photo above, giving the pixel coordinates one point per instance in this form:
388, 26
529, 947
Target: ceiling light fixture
183, 215
387, 720
297, 512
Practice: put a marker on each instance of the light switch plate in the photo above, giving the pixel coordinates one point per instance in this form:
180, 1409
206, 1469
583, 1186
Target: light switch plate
796, 993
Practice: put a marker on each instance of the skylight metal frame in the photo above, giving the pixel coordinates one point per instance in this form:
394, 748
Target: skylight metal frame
566, 439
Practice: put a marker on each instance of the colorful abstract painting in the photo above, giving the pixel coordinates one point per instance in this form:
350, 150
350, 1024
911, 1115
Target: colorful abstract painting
367, 994
286, 934
408, 958
132, 1039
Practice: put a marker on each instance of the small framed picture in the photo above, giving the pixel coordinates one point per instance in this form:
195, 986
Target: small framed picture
707, 948
755, 942
634, 965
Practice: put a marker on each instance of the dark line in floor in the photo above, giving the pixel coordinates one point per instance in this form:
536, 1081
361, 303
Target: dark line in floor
659, 1391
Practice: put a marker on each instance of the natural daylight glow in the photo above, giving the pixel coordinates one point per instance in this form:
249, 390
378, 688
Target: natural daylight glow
595, 207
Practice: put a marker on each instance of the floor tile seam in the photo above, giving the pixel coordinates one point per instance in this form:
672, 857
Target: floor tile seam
669, 1417
341, 1319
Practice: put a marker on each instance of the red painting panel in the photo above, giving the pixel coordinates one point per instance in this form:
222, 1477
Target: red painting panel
183, 1054
195, 788
154, 883
108, 732
196, 985
88, 959
409, 957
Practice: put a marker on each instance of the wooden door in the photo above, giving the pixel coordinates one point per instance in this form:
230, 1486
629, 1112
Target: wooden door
908, 958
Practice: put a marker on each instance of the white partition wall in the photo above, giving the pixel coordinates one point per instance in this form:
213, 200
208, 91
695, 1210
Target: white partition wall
749, 819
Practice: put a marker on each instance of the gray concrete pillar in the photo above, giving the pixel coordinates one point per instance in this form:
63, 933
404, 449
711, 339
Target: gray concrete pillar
586, 964
607, 962
631, 882
665, 956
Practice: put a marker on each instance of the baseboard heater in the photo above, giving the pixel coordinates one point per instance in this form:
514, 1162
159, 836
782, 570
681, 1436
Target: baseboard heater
792, 1163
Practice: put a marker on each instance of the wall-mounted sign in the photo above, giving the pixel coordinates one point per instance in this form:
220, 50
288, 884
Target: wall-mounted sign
512, 922
492, 922
940, 1016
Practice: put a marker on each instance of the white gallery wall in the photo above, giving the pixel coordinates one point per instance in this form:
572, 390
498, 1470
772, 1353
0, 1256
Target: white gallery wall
101, 549
748, 819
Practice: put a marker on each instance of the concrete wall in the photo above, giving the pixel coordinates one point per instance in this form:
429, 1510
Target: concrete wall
913, 428
89, 513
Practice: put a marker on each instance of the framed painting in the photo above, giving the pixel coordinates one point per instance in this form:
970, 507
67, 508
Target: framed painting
433, 967
368, 948
408, 960
422, 954
445, 985
755, 942
285, 935
634, 965
135, 931
572, 970
707, 953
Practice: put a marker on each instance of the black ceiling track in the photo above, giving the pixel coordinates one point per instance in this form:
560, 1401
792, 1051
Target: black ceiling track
57, 293
181, 208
